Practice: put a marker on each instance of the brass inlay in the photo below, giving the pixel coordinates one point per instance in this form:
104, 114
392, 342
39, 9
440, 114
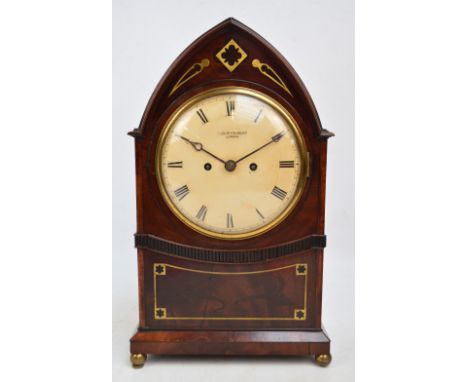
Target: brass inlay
231, 55
269, 72
301, 269
193, 71
299, 314
160, 313
274, 104
160, 269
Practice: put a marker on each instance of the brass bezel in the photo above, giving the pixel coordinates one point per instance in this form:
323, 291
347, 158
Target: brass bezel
271, 102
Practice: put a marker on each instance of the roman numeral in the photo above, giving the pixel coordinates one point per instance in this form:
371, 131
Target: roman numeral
181, 192
230, 107
229, 221
202, 115
279, 193
202, 213
258, 116
175, 164
259, 213
286, 163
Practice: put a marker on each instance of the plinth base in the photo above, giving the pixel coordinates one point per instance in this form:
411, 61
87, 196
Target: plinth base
236, 343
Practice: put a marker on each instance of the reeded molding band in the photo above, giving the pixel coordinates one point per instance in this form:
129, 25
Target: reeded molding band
153, 243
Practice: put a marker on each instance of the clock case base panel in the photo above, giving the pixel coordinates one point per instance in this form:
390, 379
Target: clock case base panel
226, 338
231, 343
184, 294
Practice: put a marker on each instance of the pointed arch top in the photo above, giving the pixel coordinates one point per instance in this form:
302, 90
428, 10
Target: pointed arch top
231, 53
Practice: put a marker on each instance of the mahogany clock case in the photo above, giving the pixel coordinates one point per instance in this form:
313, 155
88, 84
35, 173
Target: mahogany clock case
204, 295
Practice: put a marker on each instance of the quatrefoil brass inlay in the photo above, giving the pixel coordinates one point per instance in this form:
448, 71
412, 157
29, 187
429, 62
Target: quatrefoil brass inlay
231, 55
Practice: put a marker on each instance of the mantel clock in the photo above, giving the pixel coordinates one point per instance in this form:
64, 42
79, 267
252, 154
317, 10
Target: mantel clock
230, 181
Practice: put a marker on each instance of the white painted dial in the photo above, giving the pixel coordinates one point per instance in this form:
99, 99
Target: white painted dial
230, 163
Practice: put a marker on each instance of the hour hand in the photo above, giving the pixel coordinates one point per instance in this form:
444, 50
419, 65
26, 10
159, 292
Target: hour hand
196, 145
199, 147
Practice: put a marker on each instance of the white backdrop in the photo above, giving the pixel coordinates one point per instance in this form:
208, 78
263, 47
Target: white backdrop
317, 38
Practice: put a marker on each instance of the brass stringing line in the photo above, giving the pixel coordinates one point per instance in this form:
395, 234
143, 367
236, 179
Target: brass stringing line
229, 318
233, 318
305, 295
257, 64
182, 80
229, 273
155, 304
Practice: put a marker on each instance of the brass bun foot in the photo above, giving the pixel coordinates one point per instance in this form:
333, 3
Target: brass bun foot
323, 359
138, 359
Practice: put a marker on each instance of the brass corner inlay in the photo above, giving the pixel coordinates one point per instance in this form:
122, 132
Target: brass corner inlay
193, 71
231, 55
300, 314
160, 269
269, 72
301, 269
160, 313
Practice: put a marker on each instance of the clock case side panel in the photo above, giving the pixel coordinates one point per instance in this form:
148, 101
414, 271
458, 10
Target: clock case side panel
139, 165
154, 216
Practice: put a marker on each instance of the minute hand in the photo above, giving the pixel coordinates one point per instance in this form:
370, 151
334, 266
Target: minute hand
275, 138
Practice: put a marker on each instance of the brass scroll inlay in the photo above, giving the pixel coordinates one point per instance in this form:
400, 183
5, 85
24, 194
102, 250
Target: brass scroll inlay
193, 71
162, 313
269, 72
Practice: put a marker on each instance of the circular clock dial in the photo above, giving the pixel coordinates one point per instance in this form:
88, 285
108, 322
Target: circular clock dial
231, 163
